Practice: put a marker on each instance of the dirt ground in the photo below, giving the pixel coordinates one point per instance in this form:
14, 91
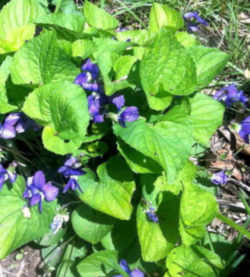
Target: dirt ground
21, 263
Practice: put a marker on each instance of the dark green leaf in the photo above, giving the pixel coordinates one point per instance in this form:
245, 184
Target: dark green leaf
90, 224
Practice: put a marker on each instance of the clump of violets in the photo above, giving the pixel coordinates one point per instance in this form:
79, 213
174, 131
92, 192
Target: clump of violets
16, 123
133, 273
244, 131
38, 190
88, 78
96, 106
151, 215
219, 178
98, 101
230, 94
125, 114
6, 175
193, 20
71, 170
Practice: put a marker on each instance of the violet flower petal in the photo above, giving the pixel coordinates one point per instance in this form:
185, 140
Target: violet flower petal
39, 179
137, 273
50, 192
12, 118
130, 114
36, 198
98, 118
245, 129
7, 131
81, 79
92, 68
219, 178
118, 101
124, 266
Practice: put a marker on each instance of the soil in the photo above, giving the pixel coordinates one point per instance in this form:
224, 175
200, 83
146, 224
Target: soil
21, 263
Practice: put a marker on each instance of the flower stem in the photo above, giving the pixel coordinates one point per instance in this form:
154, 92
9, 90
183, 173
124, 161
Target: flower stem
231, 223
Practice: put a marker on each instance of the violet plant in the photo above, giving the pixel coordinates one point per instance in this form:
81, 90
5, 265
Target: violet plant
111, 119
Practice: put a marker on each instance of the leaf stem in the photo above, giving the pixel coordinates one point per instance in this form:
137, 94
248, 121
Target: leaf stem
231, 223
58, 6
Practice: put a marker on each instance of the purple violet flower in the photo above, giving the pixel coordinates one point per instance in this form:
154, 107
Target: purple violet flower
133, 273
37, 190
193, 20
245, 129
88, 78
71, 170
16, 123
151, 215
6, 175
230, 94
96, 102
84, 80
92, 68
219, 178
129, 114
118, 101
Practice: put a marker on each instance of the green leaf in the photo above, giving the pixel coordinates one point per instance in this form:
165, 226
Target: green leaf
154, 245
209, 63
94, 264
112, 194
5, 70
123, 66
167, 143
206, 116
5, 106
167, 66
55, 144
61, 105
73, 22
98, 18
198, 208
66, 6
164, 16
68, 26
193, 261
160, 101
127, 246
139, 37
82, 48
186, 39
16, 21
180, 112
138, 162
89, 224
17, 227
41, 61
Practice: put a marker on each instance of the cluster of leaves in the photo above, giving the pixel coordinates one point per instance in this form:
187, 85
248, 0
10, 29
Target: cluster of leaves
132, 170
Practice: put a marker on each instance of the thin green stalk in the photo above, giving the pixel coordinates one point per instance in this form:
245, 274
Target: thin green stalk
210, 242
244, 201
231, 223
